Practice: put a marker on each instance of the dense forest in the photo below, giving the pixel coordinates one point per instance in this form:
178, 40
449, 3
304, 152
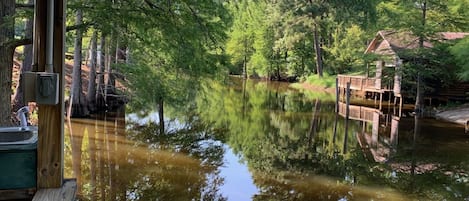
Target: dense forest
162, 50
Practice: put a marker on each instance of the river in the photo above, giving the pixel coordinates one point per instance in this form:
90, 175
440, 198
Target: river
265, 141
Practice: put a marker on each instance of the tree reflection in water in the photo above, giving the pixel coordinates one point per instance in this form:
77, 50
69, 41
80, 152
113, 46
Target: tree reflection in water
115, 159
291, 142
297, 153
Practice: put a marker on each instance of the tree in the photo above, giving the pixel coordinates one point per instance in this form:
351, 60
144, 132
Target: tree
347, 49
77, 99
240, 42
461, 53
8, 43
26, 64
287, 37
171, 51
91, 92
7, 10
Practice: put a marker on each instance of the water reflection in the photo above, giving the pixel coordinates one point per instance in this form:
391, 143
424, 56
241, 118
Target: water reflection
112, 162
276, 142
424, 160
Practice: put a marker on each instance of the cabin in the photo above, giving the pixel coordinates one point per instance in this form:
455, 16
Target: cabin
389, 46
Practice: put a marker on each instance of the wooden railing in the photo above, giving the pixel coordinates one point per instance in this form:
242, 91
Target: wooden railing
361, 83
359, 113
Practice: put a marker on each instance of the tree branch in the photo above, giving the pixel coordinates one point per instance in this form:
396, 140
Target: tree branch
17, 42
79, 26
28, 6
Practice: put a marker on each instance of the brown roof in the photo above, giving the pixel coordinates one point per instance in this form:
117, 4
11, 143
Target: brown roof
392, 42
453, 35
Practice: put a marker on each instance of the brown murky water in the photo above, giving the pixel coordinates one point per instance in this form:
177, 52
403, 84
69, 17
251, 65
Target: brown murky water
265, 141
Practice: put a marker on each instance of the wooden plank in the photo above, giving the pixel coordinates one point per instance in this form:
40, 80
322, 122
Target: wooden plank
51, 117
360, 113
360, 83
65, 193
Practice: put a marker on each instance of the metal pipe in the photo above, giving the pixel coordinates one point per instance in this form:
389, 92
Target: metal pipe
50, 37
34, 36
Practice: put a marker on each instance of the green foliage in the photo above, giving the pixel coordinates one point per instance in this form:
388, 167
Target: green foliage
276, 39
326, 81
461, 53
172, 46
347, 50
435, 66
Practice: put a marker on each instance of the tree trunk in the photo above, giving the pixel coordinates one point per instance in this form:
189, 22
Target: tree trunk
317, 48
79, 107
7, 10
419, 94
91, 96
26, 65
245, 70
102, 65
111, 59
277, 72
161, 115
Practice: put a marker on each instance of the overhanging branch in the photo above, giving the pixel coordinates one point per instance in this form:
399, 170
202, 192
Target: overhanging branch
17, 42
79, 26
28, 6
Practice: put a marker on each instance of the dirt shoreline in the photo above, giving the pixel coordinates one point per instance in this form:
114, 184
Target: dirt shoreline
459, 115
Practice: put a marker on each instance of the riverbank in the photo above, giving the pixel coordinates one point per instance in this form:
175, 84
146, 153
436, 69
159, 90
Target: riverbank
459, 114
313, 87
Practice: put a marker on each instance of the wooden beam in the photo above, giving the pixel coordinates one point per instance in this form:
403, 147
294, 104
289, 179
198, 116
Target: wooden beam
51, 117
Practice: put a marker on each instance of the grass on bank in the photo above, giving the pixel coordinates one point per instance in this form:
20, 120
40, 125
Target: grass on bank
327, 81
320, 87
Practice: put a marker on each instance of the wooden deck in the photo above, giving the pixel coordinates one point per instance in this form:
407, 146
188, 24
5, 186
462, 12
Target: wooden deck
359, 113
362, 83
66, 193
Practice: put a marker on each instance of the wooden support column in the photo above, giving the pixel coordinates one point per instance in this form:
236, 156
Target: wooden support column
51, 117
337, 94
347, 113
380, 100
400, 106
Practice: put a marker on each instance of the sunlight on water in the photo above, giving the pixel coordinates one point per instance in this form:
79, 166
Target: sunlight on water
238, 182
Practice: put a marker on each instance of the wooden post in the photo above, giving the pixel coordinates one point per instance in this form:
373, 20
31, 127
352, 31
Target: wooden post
375, 97
347, 113
380, 100
335, 127
394, 135
389, 100
51, 117
375, 130
337, 95
400, 106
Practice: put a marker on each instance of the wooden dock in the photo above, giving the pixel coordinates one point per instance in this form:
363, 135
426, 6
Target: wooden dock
375, 85
66, 193
359, 113
362, 83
